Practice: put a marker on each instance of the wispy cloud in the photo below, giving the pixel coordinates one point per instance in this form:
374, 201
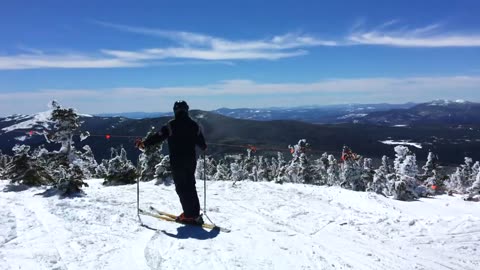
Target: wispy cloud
237, 93
188, 47
206, 47
390, 34
35, 61
184, 46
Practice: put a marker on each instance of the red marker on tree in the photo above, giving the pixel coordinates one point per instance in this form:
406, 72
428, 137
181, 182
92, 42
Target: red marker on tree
107, 136
30, 132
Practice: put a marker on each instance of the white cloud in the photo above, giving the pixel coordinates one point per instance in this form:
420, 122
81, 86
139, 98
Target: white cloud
201, 47
429, 36
241, 93
34, 61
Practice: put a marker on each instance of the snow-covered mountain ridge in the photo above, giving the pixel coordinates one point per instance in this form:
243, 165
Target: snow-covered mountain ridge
290, 226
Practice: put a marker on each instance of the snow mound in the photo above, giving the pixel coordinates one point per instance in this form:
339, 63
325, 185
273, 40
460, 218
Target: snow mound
288, 226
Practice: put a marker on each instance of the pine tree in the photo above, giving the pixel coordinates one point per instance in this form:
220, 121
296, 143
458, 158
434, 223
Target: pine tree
406, 171
66, 123
351, 176
200, 172
86, 162
101, 170
211, 166
120, 170
379, 183
367, 172
23, 169
474, 190
463, 178
320, 170
163, 171
401, 153
475, 171
282, 175
333, 171
237, 172
385, 167
70, 181
430, 165
150, 158
222, 171
4, 161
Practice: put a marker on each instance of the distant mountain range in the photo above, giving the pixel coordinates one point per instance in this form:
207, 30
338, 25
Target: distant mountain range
372, 137
312, 114
438, 112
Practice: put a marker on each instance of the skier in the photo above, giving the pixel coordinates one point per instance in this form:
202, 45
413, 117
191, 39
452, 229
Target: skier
183, 135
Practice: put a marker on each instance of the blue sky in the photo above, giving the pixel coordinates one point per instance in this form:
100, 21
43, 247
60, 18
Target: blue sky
113, 56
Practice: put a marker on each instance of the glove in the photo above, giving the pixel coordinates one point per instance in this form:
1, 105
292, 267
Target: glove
139, 144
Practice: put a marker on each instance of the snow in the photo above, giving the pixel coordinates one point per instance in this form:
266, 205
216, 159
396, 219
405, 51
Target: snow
445, 102
353, 115
392, 142
289, 226
21, 138
400, 126
32, 121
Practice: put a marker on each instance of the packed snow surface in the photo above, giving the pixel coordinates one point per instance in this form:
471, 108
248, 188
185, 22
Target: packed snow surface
290, 226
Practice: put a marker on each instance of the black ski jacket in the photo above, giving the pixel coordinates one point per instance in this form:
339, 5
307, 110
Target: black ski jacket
182, 134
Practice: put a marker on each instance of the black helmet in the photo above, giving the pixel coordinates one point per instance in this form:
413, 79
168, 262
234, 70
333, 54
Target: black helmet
180, 106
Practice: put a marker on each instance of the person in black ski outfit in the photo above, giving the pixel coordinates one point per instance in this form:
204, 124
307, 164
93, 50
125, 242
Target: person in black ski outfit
183, 135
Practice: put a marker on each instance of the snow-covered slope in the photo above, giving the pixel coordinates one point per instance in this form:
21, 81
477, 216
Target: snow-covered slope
288, 226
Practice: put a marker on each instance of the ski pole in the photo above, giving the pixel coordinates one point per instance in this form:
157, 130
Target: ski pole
205, 187
138, 187
204, 183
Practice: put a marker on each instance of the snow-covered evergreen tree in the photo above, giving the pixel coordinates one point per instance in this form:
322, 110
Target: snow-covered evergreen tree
282, 175
294, 171
406, 170
211, 167
4, 160
237, 172
151, 156
200, 172
86, 162
463, 178
474, 190
24, 169
262, 169
475, 170
120, 170
101, 170
333, 171
222, 173
70, 180
379, 183
367, 172
386, 168
401, 153
163, 171
430, 166
320, 170
66, 123
351, 176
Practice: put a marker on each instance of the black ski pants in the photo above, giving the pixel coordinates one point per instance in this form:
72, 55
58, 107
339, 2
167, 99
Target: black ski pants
184, 178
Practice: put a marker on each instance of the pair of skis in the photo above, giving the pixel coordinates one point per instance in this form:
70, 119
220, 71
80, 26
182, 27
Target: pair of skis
172, 218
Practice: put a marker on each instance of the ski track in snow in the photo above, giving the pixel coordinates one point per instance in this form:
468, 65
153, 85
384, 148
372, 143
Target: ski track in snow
290, 226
